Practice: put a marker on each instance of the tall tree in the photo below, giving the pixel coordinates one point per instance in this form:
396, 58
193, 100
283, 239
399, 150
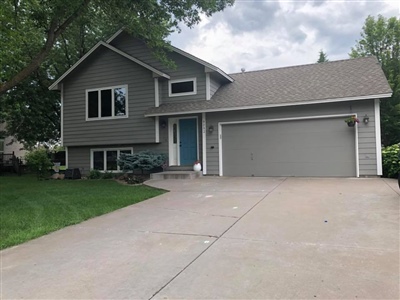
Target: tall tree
41, 39
323, 57
381, 37
39, 24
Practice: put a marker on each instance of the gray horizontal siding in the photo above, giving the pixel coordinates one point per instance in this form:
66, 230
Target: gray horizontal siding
185, 67
366, 133
214, 85
104, 69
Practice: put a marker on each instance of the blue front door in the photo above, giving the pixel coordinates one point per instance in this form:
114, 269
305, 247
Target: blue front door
188, 141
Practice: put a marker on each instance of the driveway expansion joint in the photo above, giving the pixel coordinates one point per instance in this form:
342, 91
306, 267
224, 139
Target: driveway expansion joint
178, 233
217, 238
322, 245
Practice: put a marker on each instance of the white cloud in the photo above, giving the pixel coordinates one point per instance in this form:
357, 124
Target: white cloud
267, 34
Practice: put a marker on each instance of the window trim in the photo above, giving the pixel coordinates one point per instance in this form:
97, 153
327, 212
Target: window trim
112, 103
105, 157
170, 82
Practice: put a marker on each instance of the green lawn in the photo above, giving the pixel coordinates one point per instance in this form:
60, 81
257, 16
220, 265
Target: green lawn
30, 208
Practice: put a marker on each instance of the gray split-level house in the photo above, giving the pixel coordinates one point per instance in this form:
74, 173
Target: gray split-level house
289, 121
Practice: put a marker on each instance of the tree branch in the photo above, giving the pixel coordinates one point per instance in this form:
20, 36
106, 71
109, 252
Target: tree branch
52, 34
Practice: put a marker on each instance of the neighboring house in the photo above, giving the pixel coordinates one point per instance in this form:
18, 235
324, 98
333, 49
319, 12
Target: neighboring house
281, 122
9, 145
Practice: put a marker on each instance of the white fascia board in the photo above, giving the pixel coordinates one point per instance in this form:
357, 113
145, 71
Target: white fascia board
202, 62
273, 105
188, 55
139, 62
54, 86
115, 35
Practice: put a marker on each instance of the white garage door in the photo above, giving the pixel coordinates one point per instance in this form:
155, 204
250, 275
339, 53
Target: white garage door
317, 147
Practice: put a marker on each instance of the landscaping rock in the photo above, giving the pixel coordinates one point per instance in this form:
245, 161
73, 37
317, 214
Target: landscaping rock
55, 176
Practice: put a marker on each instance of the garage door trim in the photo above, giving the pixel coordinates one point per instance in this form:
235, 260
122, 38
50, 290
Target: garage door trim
220, 125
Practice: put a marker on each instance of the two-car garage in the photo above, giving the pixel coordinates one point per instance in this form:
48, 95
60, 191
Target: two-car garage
302, 147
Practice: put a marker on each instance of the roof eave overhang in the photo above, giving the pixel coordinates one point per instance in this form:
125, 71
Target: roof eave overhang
188, 55
55, 85
377, 96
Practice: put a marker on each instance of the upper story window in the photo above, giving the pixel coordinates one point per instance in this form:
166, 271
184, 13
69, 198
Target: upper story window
1, 145
182, 87
107, 103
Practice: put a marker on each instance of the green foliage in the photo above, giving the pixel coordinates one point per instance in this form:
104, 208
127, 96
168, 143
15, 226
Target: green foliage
133, 179
70, 29
352, 119
323, 57
94, 174
31, 28
381, 37
144, 160
39, 162
31, 208
391, 161
107, 175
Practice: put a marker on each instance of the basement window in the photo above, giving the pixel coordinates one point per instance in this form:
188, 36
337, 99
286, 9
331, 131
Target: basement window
182, 87
106, 159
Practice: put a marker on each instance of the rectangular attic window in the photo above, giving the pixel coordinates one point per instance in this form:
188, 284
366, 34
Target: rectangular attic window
182, 87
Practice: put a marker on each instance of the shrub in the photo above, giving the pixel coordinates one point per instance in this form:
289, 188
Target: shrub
391, 161
144, 160
39, 162
94, 174
133, 179
107, 175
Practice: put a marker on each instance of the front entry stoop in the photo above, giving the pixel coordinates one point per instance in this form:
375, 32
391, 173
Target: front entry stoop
176, 175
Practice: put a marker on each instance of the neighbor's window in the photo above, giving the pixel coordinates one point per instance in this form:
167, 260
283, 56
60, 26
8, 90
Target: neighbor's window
107, 103
106, 159
1, 145
182, 87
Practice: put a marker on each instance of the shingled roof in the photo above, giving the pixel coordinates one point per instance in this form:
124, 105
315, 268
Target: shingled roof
350, 79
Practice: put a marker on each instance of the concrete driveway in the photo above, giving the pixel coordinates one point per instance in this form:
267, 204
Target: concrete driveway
225, 238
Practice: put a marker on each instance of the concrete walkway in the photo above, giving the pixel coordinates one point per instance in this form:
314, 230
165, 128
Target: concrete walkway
223, 238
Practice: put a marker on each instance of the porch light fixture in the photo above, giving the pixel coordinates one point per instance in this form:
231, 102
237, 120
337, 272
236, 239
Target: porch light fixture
211, 129
163, 124
366, 119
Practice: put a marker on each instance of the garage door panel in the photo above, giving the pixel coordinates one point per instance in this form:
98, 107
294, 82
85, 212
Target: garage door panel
322, 147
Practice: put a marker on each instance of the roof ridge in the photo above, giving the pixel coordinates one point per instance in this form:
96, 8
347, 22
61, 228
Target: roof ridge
305, 65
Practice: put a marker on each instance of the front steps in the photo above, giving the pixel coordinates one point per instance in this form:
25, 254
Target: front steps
175, 175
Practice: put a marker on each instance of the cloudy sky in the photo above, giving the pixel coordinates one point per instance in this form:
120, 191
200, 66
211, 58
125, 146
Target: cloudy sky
262, 34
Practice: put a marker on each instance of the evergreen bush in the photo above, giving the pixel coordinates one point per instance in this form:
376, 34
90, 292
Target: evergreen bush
391, 161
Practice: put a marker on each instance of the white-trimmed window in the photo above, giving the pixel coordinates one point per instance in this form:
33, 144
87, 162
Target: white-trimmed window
106, 159
107, 103
182, 87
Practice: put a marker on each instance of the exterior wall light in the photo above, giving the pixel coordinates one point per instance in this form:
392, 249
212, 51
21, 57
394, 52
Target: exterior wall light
366, 119
211, 129
163, 124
